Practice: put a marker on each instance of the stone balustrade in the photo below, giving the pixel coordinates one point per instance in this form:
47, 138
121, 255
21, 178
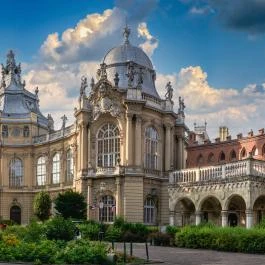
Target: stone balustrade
54, 136
247, 167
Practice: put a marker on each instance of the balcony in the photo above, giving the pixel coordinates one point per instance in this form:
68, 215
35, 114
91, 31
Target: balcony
243, 168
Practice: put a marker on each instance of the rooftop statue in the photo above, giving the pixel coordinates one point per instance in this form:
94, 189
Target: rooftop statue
169, 93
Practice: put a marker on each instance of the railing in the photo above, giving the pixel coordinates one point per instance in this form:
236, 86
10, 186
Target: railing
247, 167
107, 171
54, 136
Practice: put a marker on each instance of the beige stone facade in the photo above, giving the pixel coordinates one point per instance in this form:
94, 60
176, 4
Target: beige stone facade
118, 152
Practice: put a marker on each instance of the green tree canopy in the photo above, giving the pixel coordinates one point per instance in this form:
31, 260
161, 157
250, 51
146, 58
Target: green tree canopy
42, 205
71, 204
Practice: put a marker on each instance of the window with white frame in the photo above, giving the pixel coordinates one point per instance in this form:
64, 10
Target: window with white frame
15, 173
149, 211
56, 169
108, 211
41, 171
151, 148
108, 145
69, 165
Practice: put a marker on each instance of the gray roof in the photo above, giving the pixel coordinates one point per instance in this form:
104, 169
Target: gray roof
15, 101
118, 59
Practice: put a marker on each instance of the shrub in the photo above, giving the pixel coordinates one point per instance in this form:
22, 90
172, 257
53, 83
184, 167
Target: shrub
113, 234
17, 230
172, 230
71, 204
159, 239
60, 229
34, 232
42, 205
89, 230
82, 251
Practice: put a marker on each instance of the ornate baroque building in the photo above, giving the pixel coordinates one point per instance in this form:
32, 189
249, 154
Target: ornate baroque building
119, 151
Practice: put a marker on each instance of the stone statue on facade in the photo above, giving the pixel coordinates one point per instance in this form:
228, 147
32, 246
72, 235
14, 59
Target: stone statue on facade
181, 105
50, 123
130, 73
169, 93
102, 72
64, 119
83, 86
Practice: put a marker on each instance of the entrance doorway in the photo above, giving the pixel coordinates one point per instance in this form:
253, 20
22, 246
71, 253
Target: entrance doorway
15, 214
232, 219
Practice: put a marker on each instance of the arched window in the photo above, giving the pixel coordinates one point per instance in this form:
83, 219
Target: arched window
200, 160
15, 214
4, 131
151, 148
56, 169
255, 151
149, 211
107, 210
211, 158
233, 155
69, 165
263, 150
15, 173
41, 171
108, 145
243, 153
222, 157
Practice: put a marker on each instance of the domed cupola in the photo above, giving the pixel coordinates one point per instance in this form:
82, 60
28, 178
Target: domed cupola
133, 66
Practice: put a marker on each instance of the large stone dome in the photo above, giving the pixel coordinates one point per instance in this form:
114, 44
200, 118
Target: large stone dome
119, 58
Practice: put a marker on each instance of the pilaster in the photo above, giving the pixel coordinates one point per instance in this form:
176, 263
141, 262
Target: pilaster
138, 141
129, 140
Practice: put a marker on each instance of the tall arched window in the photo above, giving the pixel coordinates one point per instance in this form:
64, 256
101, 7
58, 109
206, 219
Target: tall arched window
56, 169
222, 157
255, 151
108, 145
108, 211
15, 173
200, 160
243, 153
211, 158
69, 165
149, 211
233, 155
41, 171
151, 148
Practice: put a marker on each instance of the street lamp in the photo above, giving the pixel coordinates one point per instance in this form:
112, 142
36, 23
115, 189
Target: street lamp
101, 205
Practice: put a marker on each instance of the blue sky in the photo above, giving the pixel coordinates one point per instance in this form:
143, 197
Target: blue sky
225, 39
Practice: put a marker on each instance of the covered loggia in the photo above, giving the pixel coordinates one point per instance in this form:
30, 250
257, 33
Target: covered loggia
210, 210
184, 212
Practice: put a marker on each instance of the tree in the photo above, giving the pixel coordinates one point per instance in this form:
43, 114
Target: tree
71, 204
42, 205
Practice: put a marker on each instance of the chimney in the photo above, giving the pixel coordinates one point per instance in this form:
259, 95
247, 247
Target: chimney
223, 133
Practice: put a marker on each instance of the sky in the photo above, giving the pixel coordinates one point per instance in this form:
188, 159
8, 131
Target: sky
213, 52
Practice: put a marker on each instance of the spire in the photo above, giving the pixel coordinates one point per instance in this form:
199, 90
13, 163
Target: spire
126, 34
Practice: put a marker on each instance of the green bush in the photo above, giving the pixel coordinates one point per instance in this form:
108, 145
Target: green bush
17, 230
59, 228
34, 232
113, 234
159, 239
172, 230
83, 251
89, 230
234, 239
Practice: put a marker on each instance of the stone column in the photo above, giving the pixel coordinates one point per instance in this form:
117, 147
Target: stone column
180, 153
129, 140
249, 218
118, 196
224, 215
83, 146
138, 142
198, 217
172, 218
167, 147
89, 198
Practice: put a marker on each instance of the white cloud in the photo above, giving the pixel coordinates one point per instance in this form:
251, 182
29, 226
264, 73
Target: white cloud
78, 51
150, 43
240, 110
